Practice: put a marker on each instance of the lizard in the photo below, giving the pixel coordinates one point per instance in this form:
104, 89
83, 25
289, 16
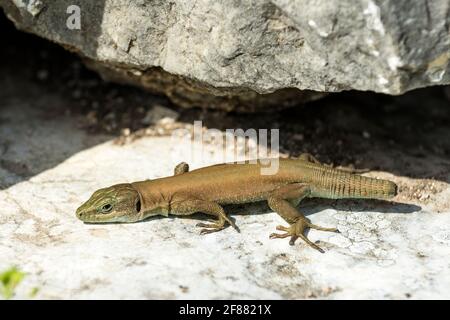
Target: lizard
206, 189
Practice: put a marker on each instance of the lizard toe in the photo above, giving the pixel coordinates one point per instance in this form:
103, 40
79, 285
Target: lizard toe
279, 235
207, 231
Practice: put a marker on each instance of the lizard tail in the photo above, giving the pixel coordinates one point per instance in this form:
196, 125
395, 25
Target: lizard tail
365, 187
360, 187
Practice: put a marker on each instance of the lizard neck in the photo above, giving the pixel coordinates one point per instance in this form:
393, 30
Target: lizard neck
151, 199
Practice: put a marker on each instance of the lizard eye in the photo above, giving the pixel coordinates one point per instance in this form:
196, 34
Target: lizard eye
107, 208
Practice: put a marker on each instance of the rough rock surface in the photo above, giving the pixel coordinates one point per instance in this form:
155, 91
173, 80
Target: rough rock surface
189, 49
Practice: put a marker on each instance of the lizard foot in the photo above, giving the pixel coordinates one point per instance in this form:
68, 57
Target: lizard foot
297, 229
216, 226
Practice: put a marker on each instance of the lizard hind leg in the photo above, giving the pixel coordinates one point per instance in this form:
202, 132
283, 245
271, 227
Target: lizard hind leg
280, 202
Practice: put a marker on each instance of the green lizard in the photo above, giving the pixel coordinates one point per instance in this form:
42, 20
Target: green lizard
206, 189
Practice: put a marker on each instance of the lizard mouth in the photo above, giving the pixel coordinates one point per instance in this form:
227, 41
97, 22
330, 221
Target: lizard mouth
104, 219
86, 217
81, 214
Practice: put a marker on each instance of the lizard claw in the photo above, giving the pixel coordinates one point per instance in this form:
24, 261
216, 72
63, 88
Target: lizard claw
231, 222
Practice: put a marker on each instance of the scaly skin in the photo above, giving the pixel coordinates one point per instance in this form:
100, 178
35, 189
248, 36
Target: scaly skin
206, 189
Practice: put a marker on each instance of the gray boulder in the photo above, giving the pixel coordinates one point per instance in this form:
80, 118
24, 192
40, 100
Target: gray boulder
225, 54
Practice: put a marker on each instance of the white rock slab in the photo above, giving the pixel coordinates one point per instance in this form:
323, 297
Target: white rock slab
382, 252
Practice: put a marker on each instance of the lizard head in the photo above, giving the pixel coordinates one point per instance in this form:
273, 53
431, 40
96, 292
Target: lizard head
119, 203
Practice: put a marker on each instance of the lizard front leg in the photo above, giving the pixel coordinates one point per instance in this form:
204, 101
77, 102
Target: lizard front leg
208, 207
279, 202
